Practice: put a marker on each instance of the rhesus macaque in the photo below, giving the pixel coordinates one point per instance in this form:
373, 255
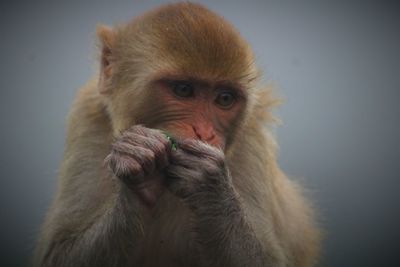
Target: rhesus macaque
167, 159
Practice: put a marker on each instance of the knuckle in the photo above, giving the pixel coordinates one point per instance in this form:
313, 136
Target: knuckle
148, 155
220, 160
217, 156
119, 146
162, 151
161, 138
156, 146
212, 170
133, 132
164, 141
126, 166
137, 127
147, 159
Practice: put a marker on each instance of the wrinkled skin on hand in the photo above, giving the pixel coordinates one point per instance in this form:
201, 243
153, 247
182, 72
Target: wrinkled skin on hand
138, 158
143, 160
196, 168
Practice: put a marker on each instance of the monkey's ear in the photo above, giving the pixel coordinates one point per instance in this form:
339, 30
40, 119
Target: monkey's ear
106, 38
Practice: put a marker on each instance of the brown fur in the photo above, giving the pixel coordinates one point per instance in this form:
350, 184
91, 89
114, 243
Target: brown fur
93, 219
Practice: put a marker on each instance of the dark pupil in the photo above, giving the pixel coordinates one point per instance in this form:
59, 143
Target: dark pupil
183, 90
225, 99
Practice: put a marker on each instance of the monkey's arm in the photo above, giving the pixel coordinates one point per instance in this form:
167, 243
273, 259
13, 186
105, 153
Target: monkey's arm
94, 219
107, 240
198, 175
226, 236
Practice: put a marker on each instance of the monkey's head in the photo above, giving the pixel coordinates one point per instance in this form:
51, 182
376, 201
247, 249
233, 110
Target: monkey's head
180, 68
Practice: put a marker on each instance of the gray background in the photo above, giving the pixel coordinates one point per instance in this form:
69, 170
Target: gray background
336, 65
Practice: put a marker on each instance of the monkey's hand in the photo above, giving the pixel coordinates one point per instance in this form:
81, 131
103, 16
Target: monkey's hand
199, 176
197, 170
137, 158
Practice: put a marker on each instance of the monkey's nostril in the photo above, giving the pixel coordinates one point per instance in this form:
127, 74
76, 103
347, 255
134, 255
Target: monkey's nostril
210, 138
198, 135
204, 134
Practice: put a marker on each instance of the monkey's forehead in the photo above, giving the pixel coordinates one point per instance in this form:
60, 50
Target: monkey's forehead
191, 38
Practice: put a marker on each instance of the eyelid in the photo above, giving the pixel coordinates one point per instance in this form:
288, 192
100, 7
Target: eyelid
178, 82
233, 92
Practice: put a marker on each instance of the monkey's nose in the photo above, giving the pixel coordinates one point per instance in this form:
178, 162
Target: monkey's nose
204, 132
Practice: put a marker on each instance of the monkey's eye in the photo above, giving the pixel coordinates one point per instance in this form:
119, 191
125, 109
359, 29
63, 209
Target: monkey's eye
182, 89
225, 99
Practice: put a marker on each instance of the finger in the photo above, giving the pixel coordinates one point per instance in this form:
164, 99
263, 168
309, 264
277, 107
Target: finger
148, 132
126, 168
201, 149
143, 156
180, 180
185, 159
158, 143
141, 140
204, 166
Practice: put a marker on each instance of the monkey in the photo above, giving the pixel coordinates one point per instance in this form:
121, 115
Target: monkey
169, 160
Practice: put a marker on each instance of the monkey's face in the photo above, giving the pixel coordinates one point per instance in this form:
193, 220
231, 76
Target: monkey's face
189, 108
178, 74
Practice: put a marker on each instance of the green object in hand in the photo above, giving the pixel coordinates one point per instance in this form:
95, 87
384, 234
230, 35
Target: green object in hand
172, 141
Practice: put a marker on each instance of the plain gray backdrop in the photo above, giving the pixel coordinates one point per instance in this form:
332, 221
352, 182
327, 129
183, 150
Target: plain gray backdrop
336, 64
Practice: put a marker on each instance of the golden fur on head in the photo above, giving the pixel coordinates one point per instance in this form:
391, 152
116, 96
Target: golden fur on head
185, 38
184, 41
